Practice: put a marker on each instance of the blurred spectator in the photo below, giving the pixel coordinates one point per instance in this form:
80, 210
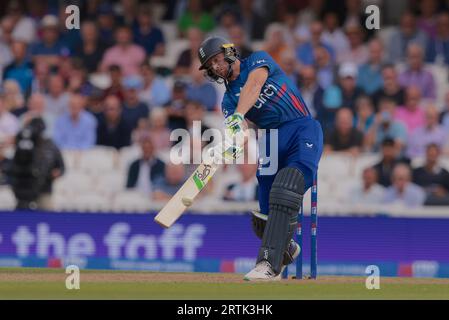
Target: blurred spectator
194, 111
253, 22
289, 18
404, 35
24, 28
142, 129
158, 129
344, 137
92, 47
129, 10
346, 92
193, 137
143, 172
331, 102
176, 106
238, 38
146, 34
311, 12
6, 56
415, 74
6, 29
116, 87
5, 165
95, 102
41, 74
57, 98
403, 191
411, 114
112, 130
91, 9
37, 10
289, 65
444, 116
166, 187
274, 41
185, 59
246, 189
9, 125
370, 73
227, 18
364, 117
37, 109
124, 53
431, 133
34, 170
106, 23
133, 108
312, 93
79, 79
352, 12
437, 50
433, 178
195, 16
13, 98
49, 49
369, 192
155, 91
357, 52
333, 34
200, 89
390, 88
324, 67
427, 18
385, 126
65, 68
75, 129
305, 51
21, 69
390, 158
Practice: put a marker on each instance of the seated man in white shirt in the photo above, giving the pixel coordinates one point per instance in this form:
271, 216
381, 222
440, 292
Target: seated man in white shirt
403, 191
368, 192
9, 125
77, 128
143, 172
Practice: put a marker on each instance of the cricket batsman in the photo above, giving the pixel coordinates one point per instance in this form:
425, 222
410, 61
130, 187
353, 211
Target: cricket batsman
258, 90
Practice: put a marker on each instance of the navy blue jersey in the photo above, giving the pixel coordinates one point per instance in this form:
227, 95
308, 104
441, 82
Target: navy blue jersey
279, 100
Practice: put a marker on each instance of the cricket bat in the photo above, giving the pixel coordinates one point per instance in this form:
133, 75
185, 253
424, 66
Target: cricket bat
184, 197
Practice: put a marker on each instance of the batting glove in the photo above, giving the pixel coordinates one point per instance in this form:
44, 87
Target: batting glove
234, 123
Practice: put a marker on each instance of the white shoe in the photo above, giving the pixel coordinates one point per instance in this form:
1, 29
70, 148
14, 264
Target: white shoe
262, 272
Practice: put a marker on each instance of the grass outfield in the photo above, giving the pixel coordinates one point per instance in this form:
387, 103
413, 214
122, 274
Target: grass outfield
27, 283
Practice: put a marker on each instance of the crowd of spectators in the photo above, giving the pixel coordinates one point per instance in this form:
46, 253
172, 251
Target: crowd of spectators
371, 94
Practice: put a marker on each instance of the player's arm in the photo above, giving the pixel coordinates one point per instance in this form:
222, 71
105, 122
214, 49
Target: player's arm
251, 90
248, 96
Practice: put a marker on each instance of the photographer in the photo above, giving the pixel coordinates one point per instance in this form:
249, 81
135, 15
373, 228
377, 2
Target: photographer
36, 164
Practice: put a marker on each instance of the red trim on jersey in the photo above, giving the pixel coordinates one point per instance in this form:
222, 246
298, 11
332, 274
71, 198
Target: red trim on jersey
280, 93
298, 104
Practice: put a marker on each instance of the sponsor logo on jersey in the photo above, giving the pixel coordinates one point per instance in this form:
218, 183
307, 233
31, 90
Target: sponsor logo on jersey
259, 62
267, 91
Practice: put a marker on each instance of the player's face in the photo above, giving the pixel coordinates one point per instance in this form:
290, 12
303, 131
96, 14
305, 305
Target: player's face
218, 65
